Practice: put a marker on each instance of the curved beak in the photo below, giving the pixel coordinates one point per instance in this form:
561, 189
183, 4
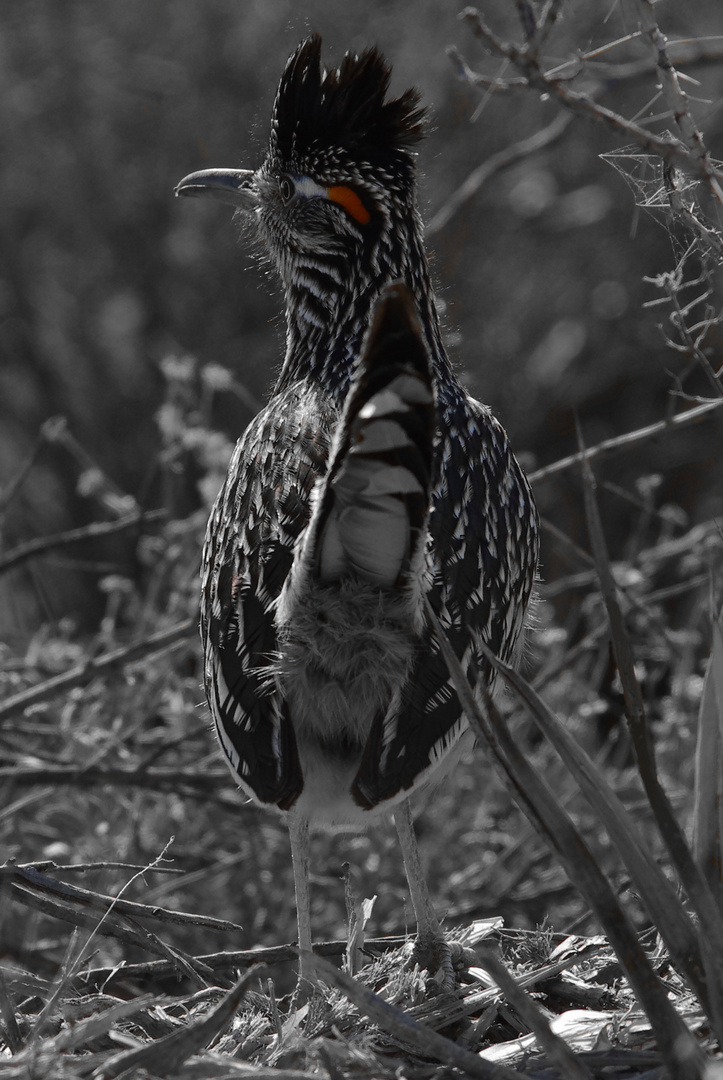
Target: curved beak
234, 186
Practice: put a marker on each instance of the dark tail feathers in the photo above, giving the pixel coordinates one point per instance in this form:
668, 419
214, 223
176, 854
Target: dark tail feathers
373, 511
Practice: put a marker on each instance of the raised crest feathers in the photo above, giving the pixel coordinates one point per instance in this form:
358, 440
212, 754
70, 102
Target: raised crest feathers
318, 110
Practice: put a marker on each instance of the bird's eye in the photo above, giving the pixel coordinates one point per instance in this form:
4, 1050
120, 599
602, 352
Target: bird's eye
287, 188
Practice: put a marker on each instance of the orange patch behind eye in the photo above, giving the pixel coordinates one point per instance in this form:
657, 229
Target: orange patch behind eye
351, 202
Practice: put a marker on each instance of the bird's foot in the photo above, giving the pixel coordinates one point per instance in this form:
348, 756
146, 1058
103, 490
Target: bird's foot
444, 960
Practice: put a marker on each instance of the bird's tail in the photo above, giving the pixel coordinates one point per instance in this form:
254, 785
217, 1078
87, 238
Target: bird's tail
371, 516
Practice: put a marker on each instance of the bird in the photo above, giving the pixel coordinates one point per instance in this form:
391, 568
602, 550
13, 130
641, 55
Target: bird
371, 485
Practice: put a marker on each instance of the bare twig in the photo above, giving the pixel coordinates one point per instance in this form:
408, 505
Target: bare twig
130, 935
672, 151
693, 52
91, 775
692, 337
698, 52
85, 868
470, 188
111, 922
94, 531
631, 438
549, 17
677, 99
86, 1029
231, 959
35, 881
83, 673
210, 784
93, 480
48, 433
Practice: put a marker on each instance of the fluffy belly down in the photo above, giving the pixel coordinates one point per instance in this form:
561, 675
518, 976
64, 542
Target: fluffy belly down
345, 652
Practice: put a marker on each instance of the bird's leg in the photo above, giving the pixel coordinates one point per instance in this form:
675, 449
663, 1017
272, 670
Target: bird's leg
299, 836
431, 949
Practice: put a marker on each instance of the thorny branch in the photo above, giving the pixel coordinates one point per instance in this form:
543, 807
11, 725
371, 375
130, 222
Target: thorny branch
677, 99
525, 60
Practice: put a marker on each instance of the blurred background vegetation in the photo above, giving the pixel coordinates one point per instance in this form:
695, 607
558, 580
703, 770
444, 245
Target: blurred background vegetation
105, 276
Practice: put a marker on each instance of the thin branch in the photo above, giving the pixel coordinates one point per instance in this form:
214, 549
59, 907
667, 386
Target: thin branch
631, 438
112, 922
550, 16
86, 868
229, 960
208, 785
158, 779
35, 881
49, 433
94, 531
470, 188
83, 673
110, 926
677, 99
692, 52
93, 481
690, 346
672, 151
696, 53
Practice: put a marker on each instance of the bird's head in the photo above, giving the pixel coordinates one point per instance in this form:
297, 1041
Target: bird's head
335, 192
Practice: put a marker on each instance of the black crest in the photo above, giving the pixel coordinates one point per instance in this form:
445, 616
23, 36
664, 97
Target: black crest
319, 110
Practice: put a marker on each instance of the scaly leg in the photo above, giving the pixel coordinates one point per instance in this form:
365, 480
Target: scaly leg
431, 949
299, 836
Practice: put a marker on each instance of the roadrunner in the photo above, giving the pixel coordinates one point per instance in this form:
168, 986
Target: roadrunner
370, 482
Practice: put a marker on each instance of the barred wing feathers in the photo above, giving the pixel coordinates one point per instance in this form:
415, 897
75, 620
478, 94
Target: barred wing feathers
261, 511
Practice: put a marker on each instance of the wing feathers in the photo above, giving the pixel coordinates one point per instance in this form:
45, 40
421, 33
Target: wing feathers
393, 497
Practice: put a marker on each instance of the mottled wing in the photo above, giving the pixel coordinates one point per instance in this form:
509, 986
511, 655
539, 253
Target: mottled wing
260, 512
484, 529
483, 550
